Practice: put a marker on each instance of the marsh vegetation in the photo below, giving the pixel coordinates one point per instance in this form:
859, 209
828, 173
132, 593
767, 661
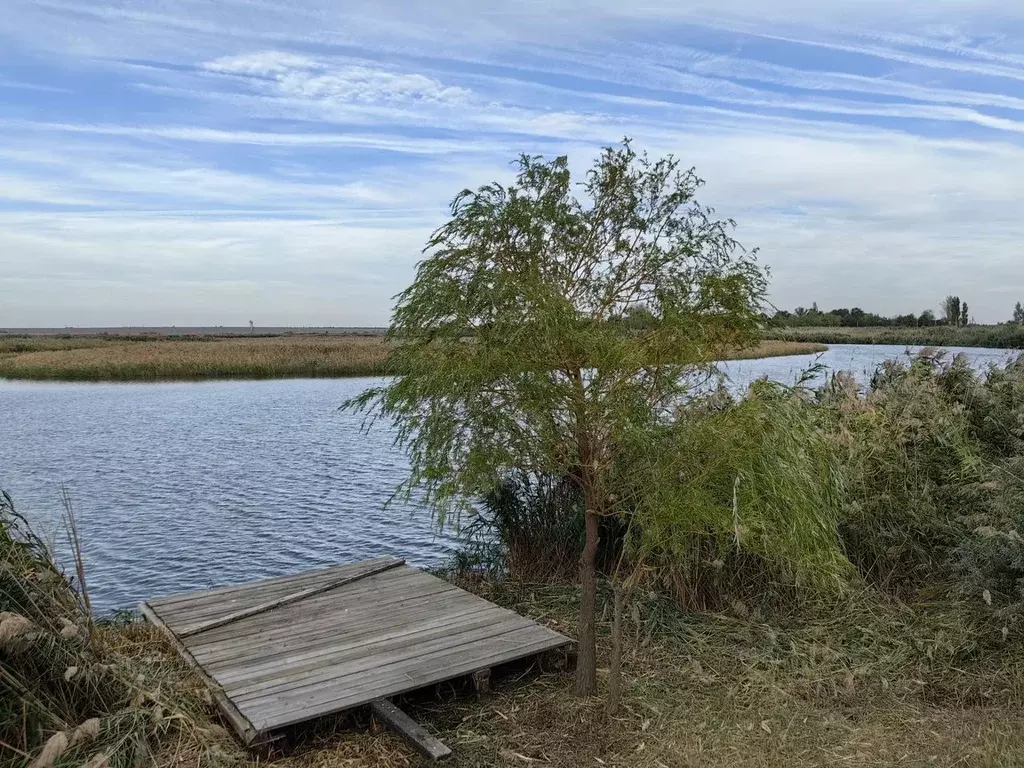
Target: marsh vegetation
85, 358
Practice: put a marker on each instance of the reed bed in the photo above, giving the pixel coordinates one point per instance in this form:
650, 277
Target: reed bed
305, 356
1007, 336
205, 358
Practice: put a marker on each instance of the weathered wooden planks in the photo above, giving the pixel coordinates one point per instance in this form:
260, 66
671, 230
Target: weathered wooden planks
269, 604
283, 651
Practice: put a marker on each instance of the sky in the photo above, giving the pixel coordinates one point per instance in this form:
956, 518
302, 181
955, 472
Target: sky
211, 162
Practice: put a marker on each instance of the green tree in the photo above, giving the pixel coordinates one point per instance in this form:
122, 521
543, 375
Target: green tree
951, 310
507, 339
964, 316
1018, 314
927, 318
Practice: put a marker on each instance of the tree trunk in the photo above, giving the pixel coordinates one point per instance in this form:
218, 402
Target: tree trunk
586, 666
615, 673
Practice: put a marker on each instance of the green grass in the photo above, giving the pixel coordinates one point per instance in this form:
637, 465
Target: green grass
993, 336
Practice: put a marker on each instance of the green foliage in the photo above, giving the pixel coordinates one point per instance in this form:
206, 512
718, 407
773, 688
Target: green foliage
1018, 314
904, 453
951, 310
915, 482
532, 528
1008, 336
934, 473
512, 345
748, 495
510, 340
955, 314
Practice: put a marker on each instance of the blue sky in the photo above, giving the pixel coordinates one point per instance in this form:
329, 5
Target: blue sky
205, 162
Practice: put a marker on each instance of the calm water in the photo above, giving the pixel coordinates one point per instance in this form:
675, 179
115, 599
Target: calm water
182, 486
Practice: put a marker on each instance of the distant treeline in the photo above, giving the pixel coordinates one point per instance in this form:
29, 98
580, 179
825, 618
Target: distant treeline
853, 318
953, 312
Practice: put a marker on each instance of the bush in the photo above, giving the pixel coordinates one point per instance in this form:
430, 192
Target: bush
532, 528
907, 454
754, 508
916, 481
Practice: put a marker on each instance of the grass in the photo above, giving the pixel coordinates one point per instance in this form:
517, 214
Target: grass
873, 684
83, 358
91, 359
993, 336
857, 678
864, 683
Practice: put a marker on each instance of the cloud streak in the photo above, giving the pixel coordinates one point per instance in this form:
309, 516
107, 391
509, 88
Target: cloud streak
291, 158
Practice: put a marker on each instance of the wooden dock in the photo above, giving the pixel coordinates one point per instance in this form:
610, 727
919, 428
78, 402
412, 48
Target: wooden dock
283, 651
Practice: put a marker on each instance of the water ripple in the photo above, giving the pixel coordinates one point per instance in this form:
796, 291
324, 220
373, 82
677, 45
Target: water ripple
181, 486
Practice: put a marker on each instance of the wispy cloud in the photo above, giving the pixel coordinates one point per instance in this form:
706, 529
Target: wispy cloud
307, 78
216, 157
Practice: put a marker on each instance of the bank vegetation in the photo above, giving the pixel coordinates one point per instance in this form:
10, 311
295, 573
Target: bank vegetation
840, 583
85, 358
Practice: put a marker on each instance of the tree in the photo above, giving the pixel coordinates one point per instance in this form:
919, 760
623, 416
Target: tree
964, 316
507, 339
951, 310
927, 318
1018, 314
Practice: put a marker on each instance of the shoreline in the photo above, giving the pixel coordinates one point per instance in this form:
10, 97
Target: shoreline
102, 358
973, 336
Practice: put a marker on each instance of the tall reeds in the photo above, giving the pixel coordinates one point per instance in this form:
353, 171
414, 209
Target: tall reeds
306, 356
72, 694
916, 481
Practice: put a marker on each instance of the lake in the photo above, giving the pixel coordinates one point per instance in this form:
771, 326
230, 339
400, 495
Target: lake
181, 486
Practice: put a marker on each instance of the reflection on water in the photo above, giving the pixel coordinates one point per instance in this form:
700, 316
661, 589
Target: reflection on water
183, 486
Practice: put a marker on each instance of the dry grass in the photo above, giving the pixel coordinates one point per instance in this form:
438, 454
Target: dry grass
203, 358
307, 356
874, 684
777, 348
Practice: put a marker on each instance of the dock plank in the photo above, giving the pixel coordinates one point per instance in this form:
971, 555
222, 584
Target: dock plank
294, 620
237, 597
335, 646
327, 651
381, 585
265, 644
384, 653
392, 683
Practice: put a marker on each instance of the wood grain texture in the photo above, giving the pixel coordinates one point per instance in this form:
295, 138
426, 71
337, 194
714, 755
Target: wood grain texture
283, 651
291, 597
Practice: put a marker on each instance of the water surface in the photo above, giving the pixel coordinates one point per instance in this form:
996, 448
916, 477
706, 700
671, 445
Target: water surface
181, 486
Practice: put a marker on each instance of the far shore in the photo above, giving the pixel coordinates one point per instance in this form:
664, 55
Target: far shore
167, 355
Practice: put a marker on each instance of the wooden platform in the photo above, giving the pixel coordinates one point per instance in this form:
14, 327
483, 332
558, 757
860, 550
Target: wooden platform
343, 637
